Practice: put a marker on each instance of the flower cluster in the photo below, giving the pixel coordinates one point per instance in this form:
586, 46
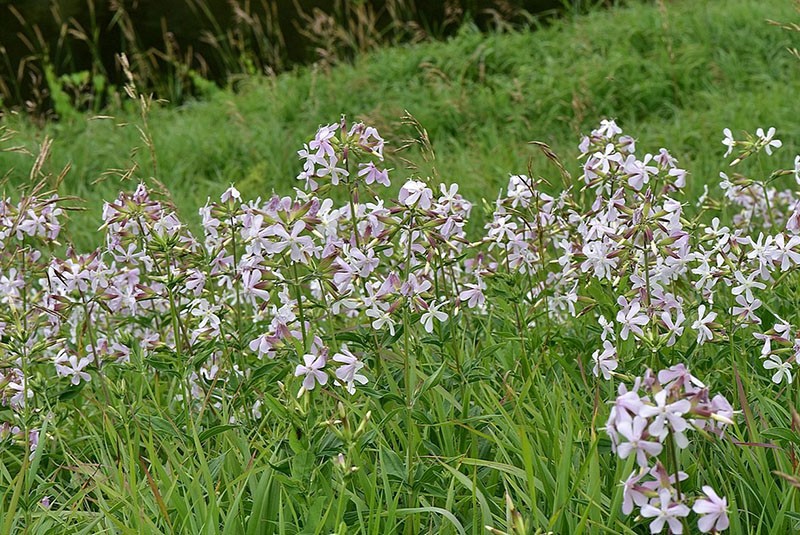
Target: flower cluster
325, 294
651, 418
280, 265
674, 277
327, 157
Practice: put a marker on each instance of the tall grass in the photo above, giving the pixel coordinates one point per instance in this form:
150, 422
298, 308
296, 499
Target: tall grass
480, 98
55, 63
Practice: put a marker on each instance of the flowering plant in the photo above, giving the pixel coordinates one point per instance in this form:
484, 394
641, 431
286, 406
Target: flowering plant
290, 308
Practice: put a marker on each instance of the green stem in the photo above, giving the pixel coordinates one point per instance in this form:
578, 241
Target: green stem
301, 309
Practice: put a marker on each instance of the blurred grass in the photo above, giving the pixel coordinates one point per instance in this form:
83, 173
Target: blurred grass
672, 77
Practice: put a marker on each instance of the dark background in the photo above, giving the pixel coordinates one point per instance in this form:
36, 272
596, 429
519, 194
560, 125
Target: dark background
216, 39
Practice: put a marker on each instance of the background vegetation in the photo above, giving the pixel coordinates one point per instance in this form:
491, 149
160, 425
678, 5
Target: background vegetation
674, 75
55, 56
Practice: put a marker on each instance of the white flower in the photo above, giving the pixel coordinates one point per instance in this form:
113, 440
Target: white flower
746, 310
797, 168
202, 309
70, 366
666, 413
701, 325
630, 318
608, 329
381, 318
608, 128
605, 362
668, 513
433, 312
746, 285
675, 327
255, 410
348, 372
782, 369
766, 140
604, 159
728, 141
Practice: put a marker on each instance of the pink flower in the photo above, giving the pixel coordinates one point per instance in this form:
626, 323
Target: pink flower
681, 377
363, 263
348, 373
605, 362
253, 285
668, 513
634, 430
311, 369
632, 492
473, 295
300, 247
322, 140
372, 174
639, 171
714, 510
231, 194
416, 193
263, 345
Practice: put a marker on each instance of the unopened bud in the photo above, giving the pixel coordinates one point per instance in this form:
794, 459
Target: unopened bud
363, 425
721, 418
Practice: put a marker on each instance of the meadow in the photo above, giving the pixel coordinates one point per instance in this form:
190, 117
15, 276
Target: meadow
675, 78
524, 282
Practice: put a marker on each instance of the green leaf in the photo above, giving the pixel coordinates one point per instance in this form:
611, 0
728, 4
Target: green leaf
438, 510
71, 392
216, 430
781, 434
393, 465
431, 381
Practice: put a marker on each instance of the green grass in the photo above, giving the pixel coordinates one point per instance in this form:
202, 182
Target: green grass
672, 78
